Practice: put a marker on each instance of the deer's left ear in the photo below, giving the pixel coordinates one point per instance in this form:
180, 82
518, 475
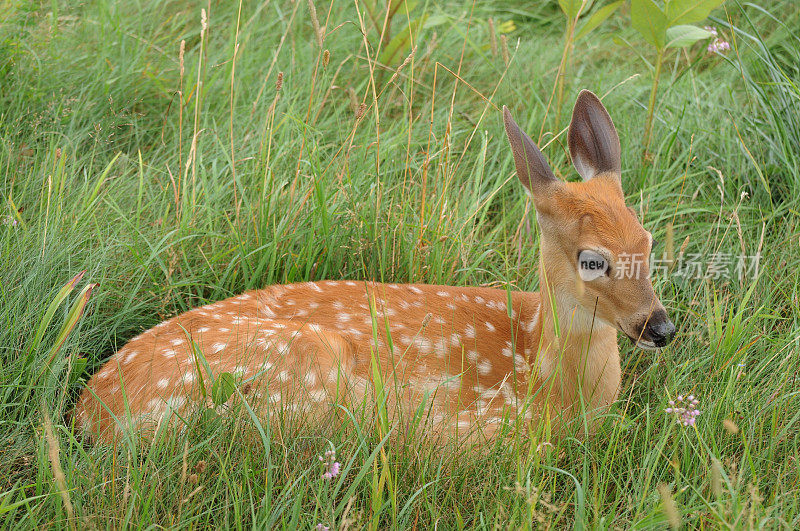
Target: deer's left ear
593, 140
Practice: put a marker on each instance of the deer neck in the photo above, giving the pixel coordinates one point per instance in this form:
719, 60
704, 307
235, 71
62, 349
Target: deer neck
576, 345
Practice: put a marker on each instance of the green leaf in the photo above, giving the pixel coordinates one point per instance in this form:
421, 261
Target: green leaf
400, 45
570, 7
208, 415
74, 315
436, 20
78, 368
403, 7
223, 388
690, 11
598, 18
686, 35
51, 310
650, 21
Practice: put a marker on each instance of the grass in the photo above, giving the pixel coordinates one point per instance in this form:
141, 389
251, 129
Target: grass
172, 186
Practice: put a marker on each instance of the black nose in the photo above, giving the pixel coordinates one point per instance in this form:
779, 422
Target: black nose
659, 329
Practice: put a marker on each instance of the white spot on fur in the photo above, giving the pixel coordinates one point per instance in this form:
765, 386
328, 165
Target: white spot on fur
176, 402
162, 383
489, 326
455, 339
423, 344
469, 331
218, 347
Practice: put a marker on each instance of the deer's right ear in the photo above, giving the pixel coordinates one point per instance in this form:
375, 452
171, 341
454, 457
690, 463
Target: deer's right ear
532, 168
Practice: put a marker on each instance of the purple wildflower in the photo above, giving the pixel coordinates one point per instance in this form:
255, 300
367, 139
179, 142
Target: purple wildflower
9, 220
719, 46
711, 29
684, 409
332, 466
322, 527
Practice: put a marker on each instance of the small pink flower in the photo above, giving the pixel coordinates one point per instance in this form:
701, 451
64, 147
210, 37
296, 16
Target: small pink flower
684, 409
332, 466
719, 46
711, 29
321, 527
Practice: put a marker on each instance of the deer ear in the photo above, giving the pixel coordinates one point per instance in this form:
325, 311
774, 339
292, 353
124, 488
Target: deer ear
593, 140
532, 168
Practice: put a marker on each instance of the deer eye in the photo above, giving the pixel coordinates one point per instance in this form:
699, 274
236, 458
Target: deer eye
592, 265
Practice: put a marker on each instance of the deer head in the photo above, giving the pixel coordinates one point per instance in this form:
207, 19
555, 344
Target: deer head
594, 251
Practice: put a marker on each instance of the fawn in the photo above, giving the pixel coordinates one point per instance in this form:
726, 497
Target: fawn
472, 354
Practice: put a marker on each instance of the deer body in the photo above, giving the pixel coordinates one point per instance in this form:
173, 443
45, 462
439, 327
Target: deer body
474, 356
307, 344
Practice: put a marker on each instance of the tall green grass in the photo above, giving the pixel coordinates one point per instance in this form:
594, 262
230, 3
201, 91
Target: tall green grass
416, 184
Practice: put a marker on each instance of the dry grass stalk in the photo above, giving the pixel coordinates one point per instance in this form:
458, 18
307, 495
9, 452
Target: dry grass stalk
403, 65
362, 107
58, 473
670, 507
312, 10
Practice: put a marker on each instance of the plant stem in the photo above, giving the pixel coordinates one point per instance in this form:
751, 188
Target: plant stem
562, 69
558, 85
648, 128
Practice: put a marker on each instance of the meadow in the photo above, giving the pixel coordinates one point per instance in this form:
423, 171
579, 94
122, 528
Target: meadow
182, 152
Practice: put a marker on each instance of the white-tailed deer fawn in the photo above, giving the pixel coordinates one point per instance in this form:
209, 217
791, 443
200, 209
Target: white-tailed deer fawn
472, 354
